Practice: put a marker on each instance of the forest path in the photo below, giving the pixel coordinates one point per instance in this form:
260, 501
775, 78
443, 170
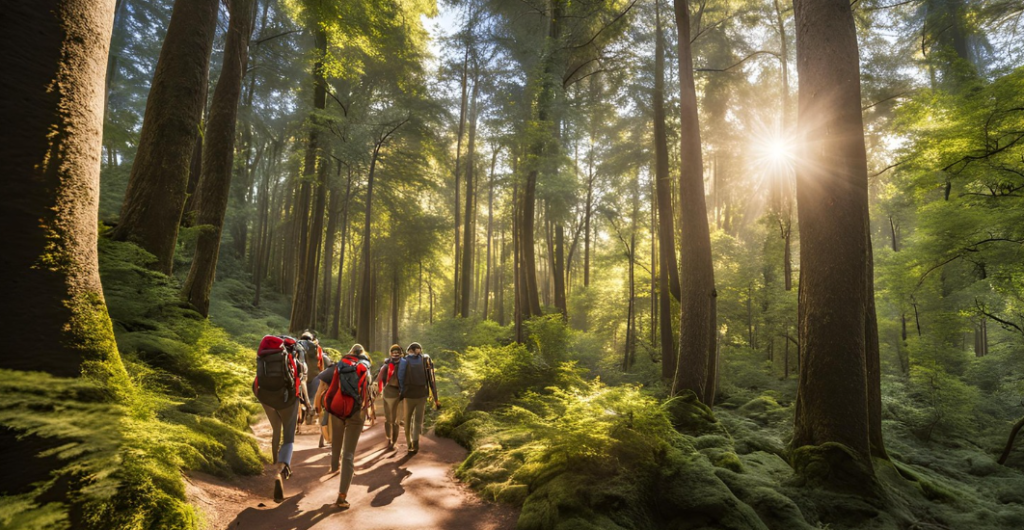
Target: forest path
390, 489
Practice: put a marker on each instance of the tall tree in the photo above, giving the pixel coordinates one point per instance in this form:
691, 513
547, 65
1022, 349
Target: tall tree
469, 228
219, 156
313, 176
51, 144
832, 397
666, 228
668, 266
697, 361
156, 188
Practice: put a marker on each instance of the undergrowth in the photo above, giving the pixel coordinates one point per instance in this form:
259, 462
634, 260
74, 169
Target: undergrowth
184, 404
547, 433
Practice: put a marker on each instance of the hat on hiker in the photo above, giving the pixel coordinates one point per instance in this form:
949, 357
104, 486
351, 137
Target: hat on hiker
357, 349
308, 335
414, 345
396, 347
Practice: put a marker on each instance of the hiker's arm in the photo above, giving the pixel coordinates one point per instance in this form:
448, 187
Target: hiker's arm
320, 391
430, 378
380, 378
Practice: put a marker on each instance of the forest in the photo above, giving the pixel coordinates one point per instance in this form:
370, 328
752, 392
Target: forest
699, 264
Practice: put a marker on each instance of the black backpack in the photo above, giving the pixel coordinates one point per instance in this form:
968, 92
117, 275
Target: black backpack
276, 372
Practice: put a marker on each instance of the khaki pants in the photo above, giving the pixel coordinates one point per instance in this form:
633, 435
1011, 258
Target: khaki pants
344, 437
414, 408
392, 413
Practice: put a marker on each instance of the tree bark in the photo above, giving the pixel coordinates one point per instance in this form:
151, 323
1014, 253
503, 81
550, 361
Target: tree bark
872, 355
156, 187
54, 55
663, 183
458, 175
336, 323
324, 314
365, 318
832, 397
469, 229
308, 239
195, 165
1009, 443
394, 306
490, 233
218, 158
697, 352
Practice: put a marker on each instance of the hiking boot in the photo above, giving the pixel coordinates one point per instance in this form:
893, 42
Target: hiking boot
286, 473
342, 502
414, 448
278, 489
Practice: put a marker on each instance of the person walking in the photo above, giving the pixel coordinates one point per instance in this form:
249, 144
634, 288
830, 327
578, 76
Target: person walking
416, 383
387, 384
278, 388
314, 361
347, 398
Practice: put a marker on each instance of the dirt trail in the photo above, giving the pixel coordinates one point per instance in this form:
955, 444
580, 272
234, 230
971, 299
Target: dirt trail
391, 489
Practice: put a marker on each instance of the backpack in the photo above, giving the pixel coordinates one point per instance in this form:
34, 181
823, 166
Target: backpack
277, 373
314, 355
415, 377
347, 392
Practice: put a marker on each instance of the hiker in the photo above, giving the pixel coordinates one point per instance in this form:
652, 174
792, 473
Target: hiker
314, 360
387, 384
346, 395
415, 383
277, 387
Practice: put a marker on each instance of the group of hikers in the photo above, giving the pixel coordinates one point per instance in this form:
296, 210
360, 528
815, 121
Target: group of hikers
290, 371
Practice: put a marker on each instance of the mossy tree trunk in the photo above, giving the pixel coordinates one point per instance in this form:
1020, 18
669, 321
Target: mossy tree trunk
696, 362
832, 398
51, 146
155, 196
218, 157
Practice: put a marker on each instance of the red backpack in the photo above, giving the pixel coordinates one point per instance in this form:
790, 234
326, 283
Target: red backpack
348, 388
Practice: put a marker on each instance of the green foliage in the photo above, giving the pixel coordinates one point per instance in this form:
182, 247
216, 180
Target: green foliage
124, 433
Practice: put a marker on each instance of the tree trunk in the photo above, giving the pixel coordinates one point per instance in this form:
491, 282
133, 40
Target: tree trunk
263, 229
336, 324
218, 157
697, 326
785, 208
195, 165
51, 146
308, 239
499, 300
458, 174
324, 314
518, 301
394, 306
469, 229
663, 186
872, 356
490, 233
365, 317
1009, 443
304, 298
156, 188
832, 397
